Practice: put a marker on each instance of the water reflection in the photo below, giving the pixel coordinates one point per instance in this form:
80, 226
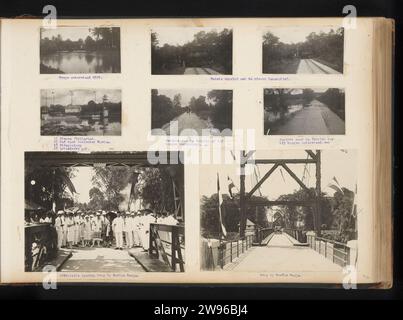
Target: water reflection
77, 126
82, 62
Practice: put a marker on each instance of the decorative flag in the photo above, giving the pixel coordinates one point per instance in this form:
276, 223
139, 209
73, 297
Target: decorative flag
220, 201
231, 186
335, 186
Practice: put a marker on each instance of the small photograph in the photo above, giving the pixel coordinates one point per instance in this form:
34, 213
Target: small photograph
186, 50
80, 50
191, 112
104, 212
303, 50
295, 111
81, 112
290, 211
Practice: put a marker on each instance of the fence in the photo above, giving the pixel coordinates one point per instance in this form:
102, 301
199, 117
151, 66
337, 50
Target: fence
167, 243
337, 252
230, 250
261, 234
219, 254
297, 234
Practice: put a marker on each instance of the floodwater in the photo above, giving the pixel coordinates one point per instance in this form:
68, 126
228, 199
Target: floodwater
73, 126
83, 62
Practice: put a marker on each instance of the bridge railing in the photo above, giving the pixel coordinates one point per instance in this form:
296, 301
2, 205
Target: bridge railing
297, 234
167, 243
261, 234
337, 252
218, 254
230, 250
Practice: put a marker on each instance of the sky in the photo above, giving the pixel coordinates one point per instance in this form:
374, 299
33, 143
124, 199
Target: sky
335, 163
82, 183
179, 35
316, 90
186, 94
72, 33
296, 34
80, 96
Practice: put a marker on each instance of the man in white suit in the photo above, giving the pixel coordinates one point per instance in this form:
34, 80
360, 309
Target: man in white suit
59, 225
118, 227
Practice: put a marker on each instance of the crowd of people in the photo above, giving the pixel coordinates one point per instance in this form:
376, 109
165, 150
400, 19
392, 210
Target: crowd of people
106, 229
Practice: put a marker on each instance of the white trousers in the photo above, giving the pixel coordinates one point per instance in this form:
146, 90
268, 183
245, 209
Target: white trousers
59, 237
119, 239
136, 238
129, 239
145, 240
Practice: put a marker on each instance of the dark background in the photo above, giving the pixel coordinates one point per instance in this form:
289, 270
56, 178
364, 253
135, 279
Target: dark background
216, 8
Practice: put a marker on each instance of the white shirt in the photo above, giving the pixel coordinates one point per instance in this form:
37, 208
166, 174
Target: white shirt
118, 224
170, 220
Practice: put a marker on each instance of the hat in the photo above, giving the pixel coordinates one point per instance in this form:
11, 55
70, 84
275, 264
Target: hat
60, 212
98, 214
103, 212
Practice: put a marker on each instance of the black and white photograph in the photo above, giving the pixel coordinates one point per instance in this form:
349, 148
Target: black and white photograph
191, 112
80, 50
104, 212
191, 51
303, 50
288, 211
304, 111
81, 112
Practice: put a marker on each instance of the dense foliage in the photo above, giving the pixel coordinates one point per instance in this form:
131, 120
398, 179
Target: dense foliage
207, 50
230, 214
326, 48
216, 106
337, 215
43, 186
98, 39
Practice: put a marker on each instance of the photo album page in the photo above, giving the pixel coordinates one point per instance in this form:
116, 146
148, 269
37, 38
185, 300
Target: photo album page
188, 151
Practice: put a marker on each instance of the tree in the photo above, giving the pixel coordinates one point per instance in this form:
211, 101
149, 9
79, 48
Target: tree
222, 110
50, 185
97, 199
344, 215
111, 181
210, 222
162, 109
155, 188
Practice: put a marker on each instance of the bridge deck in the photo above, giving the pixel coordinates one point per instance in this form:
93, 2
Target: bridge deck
280, 255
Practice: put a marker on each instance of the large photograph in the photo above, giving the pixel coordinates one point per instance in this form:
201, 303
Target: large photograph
81, 112
191, 51
291, 211
303, 50
304, 111
104, 212
80, 50
191, 112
